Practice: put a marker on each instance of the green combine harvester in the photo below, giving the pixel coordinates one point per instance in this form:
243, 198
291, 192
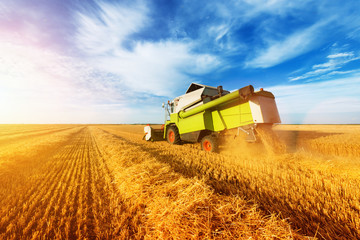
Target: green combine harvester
204, 113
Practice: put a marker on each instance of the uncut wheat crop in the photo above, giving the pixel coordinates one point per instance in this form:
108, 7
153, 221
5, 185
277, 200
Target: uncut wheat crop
105, 182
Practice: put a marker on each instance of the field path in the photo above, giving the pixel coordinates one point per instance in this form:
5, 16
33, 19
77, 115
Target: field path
67, 195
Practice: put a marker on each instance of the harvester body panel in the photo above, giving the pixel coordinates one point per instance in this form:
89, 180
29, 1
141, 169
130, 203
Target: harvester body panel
194, 123
235, 114
264, 110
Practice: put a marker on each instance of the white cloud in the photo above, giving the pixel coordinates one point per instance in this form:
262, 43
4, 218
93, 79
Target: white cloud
157, 68
345, 54
292, 46
354, 33
223, 39
39, 85
325, 17
28, 87
108, 28
329, 68
219, 31
317, 101
328, 64
343, 72
224, 19
275, 7
324, 68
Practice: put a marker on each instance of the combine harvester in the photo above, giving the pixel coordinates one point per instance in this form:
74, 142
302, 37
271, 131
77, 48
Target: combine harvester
205, 113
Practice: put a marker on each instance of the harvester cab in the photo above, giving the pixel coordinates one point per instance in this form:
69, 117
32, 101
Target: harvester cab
204, 112
196, 95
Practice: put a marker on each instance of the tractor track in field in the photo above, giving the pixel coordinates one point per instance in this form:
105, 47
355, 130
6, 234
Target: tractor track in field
68, 197
34, 192
11, 134
13, 175
160, 155
25, 137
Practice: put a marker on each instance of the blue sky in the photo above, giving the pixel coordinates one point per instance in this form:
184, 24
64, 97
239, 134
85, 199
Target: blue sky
117, 61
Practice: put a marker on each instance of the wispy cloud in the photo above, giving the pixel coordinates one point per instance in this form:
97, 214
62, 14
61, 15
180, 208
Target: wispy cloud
336, 61
38, 83
106, 29
221, 27
223, 39
273, 47
345, 54
290, 47
320, 102
157, 68
343, 72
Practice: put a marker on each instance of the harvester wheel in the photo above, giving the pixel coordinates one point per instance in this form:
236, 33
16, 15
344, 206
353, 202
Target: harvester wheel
172, 135
209, 144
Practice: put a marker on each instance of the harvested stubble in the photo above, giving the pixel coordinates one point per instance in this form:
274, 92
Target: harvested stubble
79, 182
104, 182
176, 207
300, 186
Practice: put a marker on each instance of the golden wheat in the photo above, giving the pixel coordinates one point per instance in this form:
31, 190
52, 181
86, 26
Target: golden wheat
80, 182
299, 185
102, 181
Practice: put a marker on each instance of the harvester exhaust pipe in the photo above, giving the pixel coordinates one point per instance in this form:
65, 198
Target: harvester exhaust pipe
220, 90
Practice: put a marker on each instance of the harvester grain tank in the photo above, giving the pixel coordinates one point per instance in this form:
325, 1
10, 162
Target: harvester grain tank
203, 113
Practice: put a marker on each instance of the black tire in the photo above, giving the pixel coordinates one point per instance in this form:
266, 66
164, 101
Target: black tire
210, 144
172, 135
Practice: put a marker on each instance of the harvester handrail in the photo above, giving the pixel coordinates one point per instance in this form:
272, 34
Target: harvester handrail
243, 93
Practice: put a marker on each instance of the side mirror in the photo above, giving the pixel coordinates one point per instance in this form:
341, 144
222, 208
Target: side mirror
163, 105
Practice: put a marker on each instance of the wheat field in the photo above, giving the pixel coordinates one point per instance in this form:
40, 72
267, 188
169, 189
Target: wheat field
104, 182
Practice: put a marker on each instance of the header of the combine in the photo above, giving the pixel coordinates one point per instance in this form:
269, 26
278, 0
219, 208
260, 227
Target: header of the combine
204, 112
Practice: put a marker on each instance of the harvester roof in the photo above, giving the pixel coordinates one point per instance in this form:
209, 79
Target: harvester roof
196, 95
196, 86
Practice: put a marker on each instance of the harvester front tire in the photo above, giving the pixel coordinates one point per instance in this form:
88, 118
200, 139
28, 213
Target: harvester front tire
172, 135
210, 144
